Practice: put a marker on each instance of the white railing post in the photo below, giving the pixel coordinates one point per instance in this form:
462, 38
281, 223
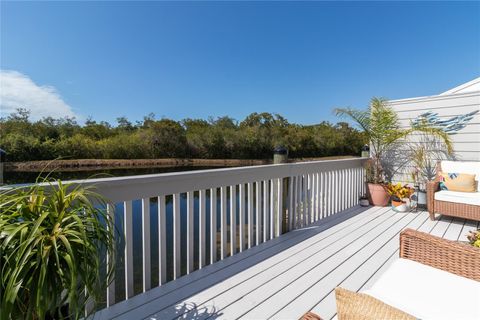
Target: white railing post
223, 223
213, 225
279, 206
258, 212
190, 228
250, 215
177, 257
162, 241
111, 258
128, 236
241, 216
296, 194
233, 220
147, 274
266, 213
202, 229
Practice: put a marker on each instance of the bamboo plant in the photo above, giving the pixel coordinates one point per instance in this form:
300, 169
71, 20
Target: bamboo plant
54, 239
381, 126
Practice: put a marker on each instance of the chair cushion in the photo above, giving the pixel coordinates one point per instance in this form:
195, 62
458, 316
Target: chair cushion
426, 292
471, 167
472, 198
463, 182
353, 305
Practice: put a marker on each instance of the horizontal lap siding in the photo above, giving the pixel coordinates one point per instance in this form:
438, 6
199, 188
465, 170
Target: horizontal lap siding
466, 142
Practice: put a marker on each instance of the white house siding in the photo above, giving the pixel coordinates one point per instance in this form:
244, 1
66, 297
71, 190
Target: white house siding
466, 141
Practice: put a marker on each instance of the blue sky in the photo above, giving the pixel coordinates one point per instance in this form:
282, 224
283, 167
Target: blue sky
200, 59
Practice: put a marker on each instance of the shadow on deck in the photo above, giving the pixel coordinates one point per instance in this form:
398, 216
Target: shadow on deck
292, 274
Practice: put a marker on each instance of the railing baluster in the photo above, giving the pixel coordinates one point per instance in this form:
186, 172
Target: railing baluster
290, 213
233, 220
347, 187
314, 197
313, 209
265, 210
223, 223
176, 237
273, 186
281, 199
213, 225
241, 216
111, 257
330, 191
298, 202
305, 200
190, 228
352, 184
258, 212
317, 196
337, 191
353, 174
128, 235
321, 196
341, 191
147, 274
201, 229
162, 241
279, 206
250, 215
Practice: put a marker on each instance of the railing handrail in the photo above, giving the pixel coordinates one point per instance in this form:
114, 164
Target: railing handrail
152, 185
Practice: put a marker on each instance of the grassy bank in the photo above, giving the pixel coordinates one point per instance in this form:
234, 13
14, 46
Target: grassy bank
95, 164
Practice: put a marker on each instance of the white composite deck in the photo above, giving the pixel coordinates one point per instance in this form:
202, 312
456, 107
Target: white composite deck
290, 275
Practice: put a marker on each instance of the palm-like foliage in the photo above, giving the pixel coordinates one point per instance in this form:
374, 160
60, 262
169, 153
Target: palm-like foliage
53, 240
381, 126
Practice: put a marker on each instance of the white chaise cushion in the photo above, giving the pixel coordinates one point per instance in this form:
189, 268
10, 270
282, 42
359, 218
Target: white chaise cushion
472, 198
426, 292
470, 167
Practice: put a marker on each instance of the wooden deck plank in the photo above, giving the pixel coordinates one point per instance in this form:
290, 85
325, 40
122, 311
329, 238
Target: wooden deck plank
296, 272
265, 301
355, 280
454, 229
225, 293
427, 226
469, 225
441, 226
153, 300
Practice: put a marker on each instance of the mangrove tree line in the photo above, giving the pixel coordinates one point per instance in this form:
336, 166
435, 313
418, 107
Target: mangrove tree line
215, 138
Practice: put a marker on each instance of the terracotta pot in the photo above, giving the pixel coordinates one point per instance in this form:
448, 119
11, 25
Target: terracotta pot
377, 195
396, 203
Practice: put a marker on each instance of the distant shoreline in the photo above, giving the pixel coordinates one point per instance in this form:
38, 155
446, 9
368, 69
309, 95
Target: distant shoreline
98, 164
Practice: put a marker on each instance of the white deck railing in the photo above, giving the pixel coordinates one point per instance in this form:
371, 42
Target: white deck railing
243, 210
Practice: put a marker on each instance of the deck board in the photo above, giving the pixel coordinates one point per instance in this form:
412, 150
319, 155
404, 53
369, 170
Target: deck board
290, 275
262, 274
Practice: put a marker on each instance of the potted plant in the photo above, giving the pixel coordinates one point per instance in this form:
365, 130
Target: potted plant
363, 200
54, 238
424, 155
474, 238
381, 126
419, 186
399, 195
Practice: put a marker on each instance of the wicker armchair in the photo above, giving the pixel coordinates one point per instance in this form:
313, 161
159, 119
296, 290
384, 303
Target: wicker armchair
461, 210
451, 256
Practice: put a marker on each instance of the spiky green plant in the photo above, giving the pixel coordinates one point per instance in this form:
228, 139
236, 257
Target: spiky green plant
381, 126
54, 238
